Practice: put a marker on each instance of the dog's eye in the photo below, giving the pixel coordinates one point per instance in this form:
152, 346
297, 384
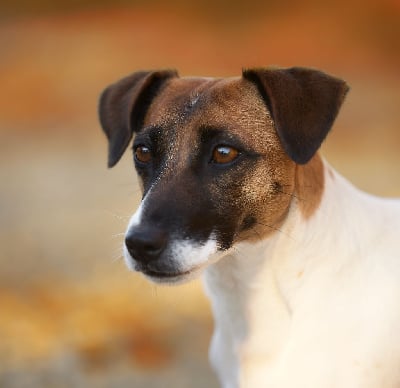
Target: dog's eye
224, 154
142, 154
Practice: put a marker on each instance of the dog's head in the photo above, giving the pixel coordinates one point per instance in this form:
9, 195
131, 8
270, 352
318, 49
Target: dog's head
217, 158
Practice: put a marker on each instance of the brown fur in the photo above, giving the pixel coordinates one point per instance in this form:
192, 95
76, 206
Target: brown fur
267, 190
310, 185
278, 117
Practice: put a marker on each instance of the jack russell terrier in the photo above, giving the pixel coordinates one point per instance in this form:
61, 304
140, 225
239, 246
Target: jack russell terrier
302, 269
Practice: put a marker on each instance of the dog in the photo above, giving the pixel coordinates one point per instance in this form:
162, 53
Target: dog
302, 269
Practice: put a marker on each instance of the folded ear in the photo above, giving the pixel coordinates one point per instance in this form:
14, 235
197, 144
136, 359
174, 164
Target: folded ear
123, 106
303, 104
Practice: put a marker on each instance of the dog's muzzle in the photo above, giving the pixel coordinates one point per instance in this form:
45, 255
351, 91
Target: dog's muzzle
152, 251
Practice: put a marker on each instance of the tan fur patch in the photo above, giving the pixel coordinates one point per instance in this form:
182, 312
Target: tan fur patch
310, 185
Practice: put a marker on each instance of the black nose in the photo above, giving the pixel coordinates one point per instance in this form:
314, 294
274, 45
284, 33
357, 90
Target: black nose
145, 244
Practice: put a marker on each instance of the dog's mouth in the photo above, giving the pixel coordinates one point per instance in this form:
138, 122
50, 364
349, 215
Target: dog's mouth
164, 275
169, 276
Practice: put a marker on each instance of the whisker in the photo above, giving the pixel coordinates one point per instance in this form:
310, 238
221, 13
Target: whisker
292, 195
117, 216
135, 192
257, 233
117, 235
132, 187
296, 196
237, 250
117, 257
277, 230
154, 290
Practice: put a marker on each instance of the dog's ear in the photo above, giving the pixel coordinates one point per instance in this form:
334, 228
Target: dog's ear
123, 106
303, 104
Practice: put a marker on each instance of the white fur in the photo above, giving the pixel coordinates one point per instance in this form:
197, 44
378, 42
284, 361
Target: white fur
134, 221
191, 258
190, 255
317, 305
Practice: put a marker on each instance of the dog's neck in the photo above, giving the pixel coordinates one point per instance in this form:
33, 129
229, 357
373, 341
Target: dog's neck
256, 289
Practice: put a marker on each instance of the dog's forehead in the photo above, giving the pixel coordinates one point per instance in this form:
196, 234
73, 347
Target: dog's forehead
233, 104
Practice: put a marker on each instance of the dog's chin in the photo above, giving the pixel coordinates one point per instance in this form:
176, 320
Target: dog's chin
173, 277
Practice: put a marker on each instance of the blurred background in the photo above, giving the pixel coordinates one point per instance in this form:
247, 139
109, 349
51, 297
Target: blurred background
70, 313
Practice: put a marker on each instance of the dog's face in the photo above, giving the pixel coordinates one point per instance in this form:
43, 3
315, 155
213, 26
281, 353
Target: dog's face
213, 173
216, 162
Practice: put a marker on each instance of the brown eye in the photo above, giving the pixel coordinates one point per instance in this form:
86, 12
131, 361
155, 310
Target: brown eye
224, 154
142, 154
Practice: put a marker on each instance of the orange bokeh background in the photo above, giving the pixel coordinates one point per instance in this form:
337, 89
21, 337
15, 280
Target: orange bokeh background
70, 313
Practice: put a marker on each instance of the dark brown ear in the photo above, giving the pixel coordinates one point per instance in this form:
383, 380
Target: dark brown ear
303, 103
123, 106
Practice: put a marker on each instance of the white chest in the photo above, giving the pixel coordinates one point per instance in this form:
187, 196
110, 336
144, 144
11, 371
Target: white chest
317, 306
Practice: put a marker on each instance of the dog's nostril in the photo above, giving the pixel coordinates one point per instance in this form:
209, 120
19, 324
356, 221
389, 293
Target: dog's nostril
145, 244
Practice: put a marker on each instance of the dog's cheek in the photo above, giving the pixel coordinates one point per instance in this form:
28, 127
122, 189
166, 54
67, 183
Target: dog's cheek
255, 197
229, 211
267, 196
